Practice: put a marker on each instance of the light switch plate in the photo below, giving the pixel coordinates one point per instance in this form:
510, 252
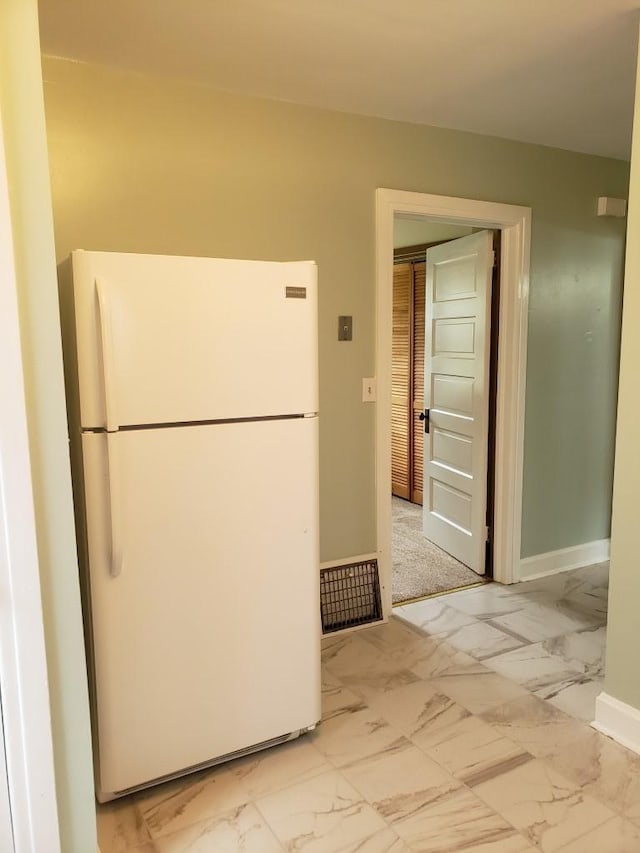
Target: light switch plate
369, 390
345, 328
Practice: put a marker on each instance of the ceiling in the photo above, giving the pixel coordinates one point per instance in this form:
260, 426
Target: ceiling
554, 72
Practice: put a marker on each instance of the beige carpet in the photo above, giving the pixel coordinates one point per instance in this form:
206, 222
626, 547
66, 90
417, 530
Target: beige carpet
419, 567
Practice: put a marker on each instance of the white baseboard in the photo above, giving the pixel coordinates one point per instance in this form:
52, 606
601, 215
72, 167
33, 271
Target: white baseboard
359, 558
553, 562
618, 720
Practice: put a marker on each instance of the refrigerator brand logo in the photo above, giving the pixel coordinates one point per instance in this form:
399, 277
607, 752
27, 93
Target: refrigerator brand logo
296, 292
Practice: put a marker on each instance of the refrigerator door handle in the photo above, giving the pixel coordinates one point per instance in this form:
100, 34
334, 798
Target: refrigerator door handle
104, 314
114, 504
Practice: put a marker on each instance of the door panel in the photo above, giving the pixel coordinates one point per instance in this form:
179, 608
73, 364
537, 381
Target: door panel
454, 451
456, 372
454, 278
208, 639
453, 394
451, 504
454, 338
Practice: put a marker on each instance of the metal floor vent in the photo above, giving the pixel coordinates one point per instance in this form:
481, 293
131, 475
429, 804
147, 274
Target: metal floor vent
350, 595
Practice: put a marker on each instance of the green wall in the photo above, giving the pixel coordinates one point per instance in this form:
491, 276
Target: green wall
412, 232
623, 632
24, 136
153, 165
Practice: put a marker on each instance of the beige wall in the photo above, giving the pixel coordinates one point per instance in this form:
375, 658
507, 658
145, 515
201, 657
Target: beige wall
153, 165
32, 225
623, 633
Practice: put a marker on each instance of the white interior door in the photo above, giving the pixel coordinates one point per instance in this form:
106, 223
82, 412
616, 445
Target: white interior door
456, 394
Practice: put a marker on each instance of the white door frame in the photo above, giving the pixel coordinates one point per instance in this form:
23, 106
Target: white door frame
6, 824
23, 671
515, 224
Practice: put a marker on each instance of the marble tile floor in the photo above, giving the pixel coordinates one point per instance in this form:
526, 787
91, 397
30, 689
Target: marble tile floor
547, 635
440, 733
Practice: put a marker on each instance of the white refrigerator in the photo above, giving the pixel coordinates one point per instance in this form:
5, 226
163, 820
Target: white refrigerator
193, 401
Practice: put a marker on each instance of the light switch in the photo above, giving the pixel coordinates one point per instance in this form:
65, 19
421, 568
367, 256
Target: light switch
369, 390
345, 328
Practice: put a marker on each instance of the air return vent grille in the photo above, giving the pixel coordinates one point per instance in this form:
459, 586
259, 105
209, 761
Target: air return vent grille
350, 595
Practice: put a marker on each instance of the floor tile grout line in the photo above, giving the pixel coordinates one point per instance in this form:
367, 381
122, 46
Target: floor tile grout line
460, 785
334, 771
247, 797
268, 825
581, 787
513, 743
307, 776
508, 632
589, 831
434, 758
144, 822
364, 798
577, 791
611, 804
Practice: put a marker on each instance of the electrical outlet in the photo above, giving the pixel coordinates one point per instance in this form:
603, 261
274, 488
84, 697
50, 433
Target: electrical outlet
369, 390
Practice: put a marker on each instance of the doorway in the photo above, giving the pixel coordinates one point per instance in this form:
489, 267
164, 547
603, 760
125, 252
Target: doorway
514, 223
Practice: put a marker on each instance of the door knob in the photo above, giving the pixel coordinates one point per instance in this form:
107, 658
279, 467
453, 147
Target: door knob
424, 416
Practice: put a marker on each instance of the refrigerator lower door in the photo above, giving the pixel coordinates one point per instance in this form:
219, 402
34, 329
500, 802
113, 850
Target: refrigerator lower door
207, 641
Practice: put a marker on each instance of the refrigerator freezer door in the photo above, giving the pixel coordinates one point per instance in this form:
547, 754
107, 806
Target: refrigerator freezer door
173, 340
208, 641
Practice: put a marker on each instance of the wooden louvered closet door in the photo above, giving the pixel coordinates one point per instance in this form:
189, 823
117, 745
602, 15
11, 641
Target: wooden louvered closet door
407, 380
401, 379
417, 383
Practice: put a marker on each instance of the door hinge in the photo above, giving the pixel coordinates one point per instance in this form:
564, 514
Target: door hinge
493, 259
487, 534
